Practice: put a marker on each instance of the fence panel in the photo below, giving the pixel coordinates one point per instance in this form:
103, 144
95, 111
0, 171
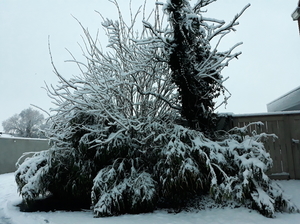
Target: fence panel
11, 149
284, 152
295, 143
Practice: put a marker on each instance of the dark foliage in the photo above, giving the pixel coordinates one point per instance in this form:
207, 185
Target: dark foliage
188, 52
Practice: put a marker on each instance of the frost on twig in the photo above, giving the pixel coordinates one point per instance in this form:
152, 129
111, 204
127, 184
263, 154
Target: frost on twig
195, 66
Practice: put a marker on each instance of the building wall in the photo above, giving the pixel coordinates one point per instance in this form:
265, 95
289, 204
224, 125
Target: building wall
11, 149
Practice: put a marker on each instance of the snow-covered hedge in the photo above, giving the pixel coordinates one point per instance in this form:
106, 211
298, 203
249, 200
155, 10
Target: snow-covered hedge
174, 166
116, 142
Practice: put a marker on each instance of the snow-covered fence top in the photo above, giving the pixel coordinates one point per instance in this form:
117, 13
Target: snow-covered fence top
11, 149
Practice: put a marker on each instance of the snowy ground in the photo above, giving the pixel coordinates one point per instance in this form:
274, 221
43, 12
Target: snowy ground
9, 213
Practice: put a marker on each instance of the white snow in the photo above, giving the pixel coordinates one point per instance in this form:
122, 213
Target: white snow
10, 214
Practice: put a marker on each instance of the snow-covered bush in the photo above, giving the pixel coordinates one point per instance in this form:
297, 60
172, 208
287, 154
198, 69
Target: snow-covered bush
242, 173
229, 170
116, 142
179, 164
109, 113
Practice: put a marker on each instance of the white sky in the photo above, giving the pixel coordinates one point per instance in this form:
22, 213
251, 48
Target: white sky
268, 67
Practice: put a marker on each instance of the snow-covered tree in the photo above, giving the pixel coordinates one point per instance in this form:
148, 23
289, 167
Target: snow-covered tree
106, 120
28, 123
116, 142
196, 65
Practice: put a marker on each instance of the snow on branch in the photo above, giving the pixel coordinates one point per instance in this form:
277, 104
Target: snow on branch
114, 137
229, 26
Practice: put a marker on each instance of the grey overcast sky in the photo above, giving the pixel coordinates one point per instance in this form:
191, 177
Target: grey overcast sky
267, 69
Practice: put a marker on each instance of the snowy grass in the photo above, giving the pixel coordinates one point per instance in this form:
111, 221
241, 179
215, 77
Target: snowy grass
10, 214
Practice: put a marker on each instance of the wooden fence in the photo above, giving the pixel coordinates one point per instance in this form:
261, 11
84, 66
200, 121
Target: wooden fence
285, 151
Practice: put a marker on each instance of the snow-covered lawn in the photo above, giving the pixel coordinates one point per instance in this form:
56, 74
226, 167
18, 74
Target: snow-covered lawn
10, 214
